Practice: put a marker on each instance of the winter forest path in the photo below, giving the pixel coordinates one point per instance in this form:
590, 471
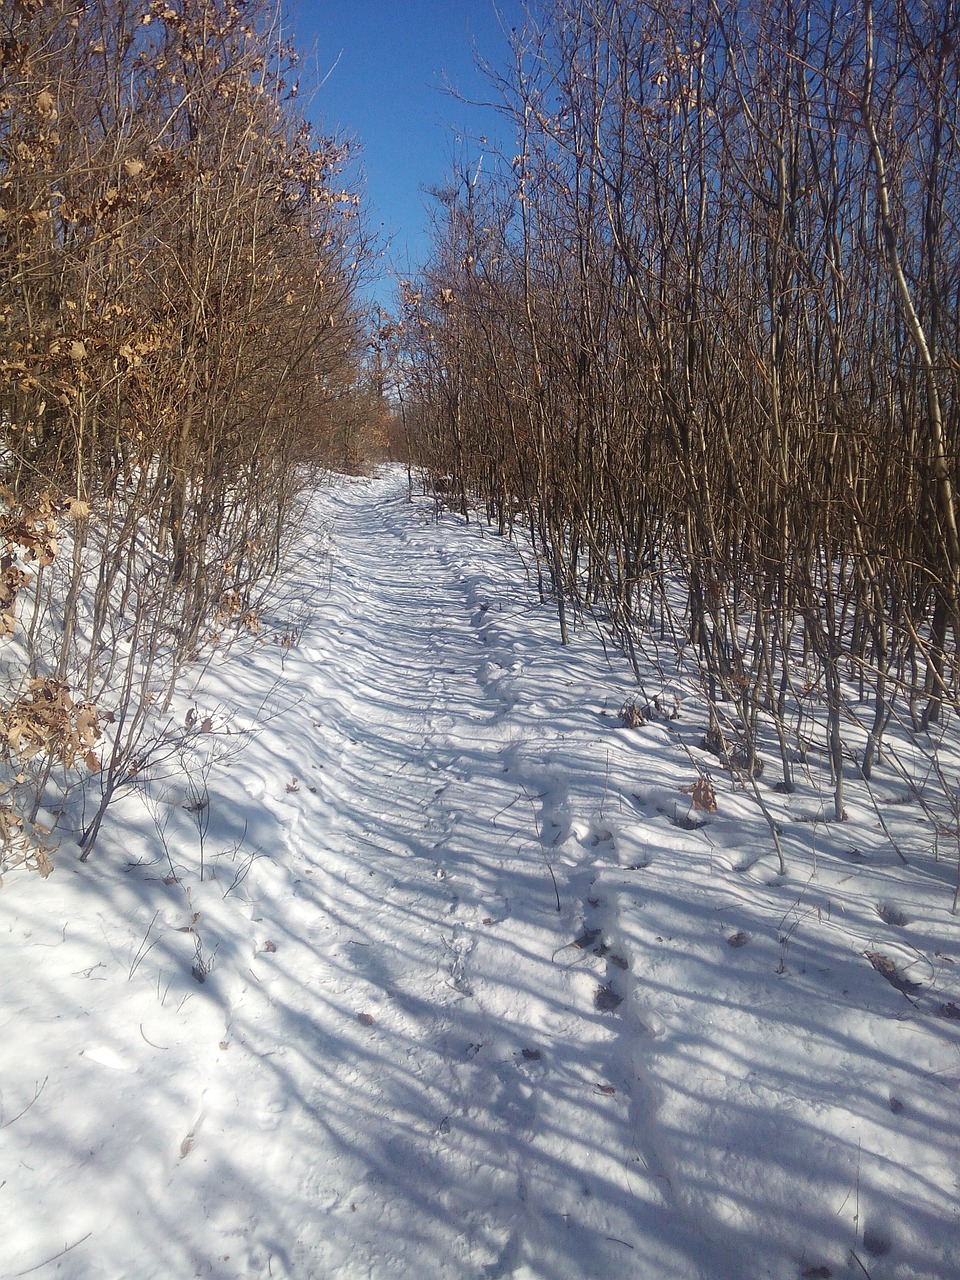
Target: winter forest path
405, 957
467, 1107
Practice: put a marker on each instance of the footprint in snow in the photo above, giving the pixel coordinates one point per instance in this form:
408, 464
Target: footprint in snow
605, 999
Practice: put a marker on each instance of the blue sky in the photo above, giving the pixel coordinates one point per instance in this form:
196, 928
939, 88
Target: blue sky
385, 63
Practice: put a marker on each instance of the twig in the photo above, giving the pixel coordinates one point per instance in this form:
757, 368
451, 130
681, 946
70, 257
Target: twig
860, 1264
13, 1275
143, 950
886, 830
38, 1089
150, 1042
539, 830
552, 877
770, 821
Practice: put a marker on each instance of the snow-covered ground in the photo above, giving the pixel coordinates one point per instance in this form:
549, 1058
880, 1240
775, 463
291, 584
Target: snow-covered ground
468, 988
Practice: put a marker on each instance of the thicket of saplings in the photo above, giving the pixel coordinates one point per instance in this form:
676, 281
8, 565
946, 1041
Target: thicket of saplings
700, 334
179, 350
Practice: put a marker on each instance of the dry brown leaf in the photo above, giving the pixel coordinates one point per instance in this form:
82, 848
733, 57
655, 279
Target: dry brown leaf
703, 795
46, 720
47, 552
87, 724
12, 582
46, 105
887, 969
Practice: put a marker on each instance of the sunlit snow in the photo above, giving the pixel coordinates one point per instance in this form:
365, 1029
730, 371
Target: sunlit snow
468, 988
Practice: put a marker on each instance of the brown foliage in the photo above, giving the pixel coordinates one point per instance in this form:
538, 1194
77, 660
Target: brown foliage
178, 339
700, 338
47, 721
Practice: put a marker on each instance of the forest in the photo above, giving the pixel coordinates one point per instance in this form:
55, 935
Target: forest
697, 340
694, 335
182, 352
498, 755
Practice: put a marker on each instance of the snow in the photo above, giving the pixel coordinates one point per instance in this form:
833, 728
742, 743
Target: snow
368, 1042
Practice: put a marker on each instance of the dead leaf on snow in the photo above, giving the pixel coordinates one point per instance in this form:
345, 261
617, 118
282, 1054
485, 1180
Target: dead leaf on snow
703, 795
605, 999
887, 969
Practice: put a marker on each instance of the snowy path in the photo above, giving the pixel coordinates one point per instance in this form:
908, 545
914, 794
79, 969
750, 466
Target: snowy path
369, 1043
479, 1123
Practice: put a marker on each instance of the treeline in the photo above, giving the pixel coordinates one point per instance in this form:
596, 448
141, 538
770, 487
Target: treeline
701, 333
180, 345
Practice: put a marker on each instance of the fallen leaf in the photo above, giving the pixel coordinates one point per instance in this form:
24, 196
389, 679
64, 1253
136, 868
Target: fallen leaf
606, 999
887, 969
703, 795
586, 939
